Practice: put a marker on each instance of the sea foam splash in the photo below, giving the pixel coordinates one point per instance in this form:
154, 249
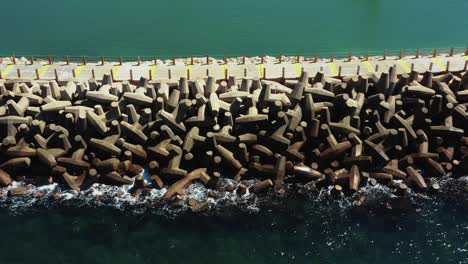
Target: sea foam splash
120, 198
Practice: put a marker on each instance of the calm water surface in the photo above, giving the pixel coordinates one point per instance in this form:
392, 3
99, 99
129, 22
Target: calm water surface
187, 27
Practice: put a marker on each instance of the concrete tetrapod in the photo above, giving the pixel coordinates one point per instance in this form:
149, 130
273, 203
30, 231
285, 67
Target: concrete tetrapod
343, 133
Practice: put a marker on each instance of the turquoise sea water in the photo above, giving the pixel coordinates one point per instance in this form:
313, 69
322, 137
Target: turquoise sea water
187, 27
296, 230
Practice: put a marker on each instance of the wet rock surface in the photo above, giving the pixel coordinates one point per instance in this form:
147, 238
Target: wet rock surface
339, 134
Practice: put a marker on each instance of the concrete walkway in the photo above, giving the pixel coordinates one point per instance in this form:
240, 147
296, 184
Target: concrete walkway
131, 70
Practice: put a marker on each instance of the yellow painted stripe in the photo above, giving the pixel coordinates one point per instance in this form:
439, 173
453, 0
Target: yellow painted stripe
43, 69
78, 70
369, 66
404, 66
439, 63
7, 69
115, 69
298, 70
223, 71
260, 70
153, 71
333, 68
188, 70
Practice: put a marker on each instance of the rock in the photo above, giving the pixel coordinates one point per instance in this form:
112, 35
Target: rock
18, 191
261, 186
5, 178
156, 182
200, 206
180, 186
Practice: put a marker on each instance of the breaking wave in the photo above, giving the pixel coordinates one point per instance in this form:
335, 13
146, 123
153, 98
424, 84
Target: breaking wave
368, 200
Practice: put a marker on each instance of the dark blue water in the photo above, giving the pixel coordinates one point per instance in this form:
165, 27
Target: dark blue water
306, 228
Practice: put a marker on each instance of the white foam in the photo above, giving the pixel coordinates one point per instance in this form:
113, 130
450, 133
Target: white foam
118, 197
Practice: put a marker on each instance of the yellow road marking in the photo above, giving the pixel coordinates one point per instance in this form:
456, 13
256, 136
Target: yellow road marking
333, 68
260, 70
223, 71
153, 71
7, 69
115, 69
188, 69
369, 66
43, 69
439, 63
404, 66
78, 70
298, 70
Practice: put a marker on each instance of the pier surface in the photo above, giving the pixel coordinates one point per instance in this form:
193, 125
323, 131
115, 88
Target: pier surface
166, 70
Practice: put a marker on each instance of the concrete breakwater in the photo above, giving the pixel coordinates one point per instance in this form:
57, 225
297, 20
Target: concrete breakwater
264, 67
341, 133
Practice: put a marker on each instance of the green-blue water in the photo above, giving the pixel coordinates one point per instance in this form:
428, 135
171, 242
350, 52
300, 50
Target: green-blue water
294, 231
187, 27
